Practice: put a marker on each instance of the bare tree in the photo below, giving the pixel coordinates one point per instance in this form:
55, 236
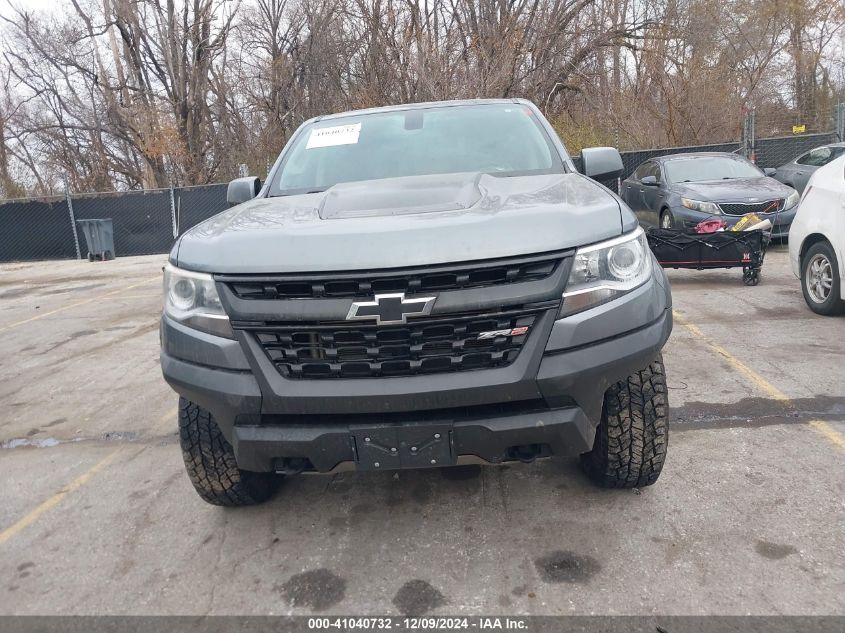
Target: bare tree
147, 93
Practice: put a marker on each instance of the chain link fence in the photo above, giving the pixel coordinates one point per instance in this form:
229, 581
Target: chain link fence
36, 229
774, 152
770, 152
145, 222
786, 136
633, 159
192, 205
148, 222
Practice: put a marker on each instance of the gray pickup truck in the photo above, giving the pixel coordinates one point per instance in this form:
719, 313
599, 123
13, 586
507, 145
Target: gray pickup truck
413, 287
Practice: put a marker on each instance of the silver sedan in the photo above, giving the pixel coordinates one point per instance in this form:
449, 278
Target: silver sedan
797, 172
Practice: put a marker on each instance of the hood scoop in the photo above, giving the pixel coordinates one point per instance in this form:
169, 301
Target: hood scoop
391, 196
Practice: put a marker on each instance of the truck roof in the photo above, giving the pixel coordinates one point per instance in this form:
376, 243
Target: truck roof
418, 106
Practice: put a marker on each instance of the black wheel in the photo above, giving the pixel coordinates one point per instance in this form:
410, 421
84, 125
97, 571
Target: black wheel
667, 221
90, 256
750, 277
210, 462
631, 440
108, 256
820, 280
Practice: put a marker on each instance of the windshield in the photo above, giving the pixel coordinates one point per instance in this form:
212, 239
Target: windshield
709, 168
502, 140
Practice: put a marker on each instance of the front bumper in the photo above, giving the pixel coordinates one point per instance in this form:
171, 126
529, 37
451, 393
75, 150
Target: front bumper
550, 398
416, 442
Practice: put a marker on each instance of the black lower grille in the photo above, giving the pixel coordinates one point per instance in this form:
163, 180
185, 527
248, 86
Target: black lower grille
741, 208
423, 346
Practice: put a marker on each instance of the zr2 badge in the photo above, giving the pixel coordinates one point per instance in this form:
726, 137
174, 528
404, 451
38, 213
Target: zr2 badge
517, 331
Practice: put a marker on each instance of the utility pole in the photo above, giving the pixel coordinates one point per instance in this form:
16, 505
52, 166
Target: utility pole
749, 144
72, 219
173, 221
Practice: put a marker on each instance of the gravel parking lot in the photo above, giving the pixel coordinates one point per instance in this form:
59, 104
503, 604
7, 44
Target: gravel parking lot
98, 517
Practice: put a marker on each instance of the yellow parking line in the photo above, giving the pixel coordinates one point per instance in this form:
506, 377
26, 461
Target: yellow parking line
752, 375
78, 303
33, 515
829, 432
169, 417
817, 425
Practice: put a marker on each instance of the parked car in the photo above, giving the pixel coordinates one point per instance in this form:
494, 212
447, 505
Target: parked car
414, 287
796, 173
817, 247
681, 190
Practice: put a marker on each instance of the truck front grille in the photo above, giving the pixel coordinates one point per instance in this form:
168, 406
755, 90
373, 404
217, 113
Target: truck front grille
741, 208
410, 281
422, 346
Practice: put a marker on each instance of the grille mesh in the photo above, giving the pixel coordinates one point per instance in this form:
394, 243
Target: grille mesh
741, 208
423, 346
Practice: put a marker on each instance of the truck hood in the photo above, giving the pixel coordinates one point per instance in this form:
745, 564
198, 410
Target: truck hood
401, 222
737, 190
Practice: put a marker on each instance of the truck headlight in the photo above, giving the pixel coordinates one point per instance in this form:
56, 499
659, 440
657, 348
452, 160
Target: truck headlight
605, 271
704, 207
191, 298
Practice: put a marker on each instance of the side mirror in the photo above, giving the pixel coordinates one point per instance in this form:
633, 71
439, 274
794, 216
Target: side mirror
649, 181
769, 171
601, 163
242, 189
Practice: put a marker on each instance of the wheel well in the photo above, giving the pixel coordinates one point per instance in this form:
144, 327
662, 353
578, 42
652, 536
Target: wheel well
809, 241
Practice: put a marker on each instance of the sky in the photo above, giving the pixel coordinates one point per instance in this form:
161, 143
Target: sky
35, 5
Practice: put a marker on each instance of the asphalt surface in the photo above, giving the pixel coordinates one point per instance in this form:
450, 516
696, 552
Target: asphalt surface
98, 517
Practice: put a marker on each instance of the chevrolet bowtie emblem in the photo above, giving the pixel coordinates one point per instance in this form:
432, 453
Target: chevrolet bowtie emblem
390, 309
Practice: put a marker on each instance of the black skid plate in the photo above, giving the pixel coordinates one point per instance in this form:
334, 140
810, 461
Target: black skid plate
395, 446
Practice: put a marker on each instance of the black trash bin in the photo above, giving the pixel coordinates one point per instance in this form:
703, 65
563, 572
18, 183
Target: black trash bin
99, 236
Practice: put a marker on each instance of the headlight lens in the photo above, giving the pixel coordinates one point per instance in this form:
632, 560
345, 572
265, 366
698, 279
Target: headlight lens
603, 272
191, 298
704, 207
791, 200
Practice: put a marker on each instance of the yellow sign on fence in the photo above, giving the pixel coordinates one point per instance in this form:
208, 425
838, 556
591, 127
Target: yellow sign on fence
799, 129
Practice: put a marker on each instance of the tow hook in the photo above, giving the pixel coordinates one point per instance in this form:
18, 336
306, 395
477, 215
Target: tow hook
526, 453
292, 466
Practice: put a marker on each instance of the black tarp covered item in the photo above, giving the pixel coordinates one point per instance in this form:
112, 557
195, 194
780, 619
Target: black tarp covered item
142, 220
724, 249
196, 204
99, 236
36, 229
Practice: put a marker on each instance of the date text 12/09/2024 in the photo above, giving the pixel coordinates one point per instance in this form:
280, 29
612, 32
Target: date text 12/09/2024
417, 624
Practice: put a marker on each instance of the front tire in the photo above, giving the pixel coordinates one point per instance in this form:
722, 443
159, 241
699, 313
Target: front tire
211, 465
631, 440
820, 281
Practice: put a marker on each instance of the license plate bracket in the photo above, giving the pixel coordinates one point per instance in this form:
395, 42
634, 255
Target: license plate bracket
394, 446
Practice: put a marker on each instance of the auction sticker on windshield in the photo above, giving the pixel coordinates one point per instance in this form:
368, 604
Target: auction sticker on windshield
338, 135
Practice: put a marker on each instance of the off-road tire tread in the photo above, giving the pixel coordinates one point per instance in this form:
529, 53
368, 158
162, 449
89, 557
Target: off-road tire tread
210, 462
632, 438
